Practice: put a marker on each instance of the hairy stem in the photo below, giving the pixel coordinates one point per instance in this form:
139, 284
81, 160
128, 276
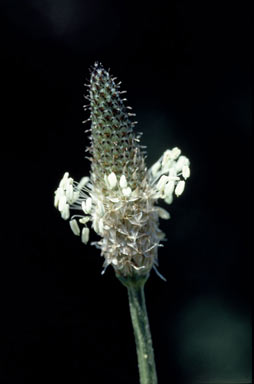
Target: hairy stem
144, 347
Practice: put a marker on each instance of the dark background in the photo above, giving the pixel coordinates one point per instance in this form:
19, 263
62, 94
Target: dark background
185, 66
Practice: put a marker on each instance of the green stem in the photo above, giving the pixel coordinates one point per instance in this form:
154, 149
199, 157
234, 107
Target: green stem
144, 347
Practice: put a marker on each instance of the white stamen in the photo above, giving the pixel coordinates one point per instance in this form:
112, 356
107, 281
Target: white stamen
84, 219
70, 180
112, 180
126, 191
163, 214
176, 153
162, 182
58, 193
155, 168
169, 188
87, 205
82, 182
180, 187
123, 182
186, 171
69, 192
173, 173
62, 203
85, 235
75, 196
56, 200
169, 199
181, 162
167, 156
74, 227
100, 226
96, 225
100, 207
65, 214
83, 206
64, 180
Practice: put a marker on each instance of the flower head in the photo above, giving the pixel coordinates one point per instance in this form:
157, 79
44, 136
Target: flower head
119, 198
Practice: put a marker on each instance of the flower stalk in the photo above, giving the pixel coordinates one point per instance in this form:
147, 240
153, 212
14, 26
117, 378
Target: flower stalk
140, 323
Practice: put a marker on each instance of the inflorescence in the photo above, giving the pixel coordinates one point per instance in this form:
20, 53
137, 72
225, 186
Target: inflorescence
119, 198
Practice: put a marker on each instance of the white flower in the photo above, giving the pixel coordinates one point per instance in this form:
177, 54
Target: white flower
120, 197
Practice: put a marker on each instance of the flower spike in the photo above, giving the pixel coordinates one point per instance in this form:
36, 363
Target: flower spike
120, 196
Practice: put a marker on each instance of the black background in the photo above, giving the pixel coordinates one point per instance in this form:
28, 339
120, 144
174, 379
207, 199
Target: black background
185, 66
